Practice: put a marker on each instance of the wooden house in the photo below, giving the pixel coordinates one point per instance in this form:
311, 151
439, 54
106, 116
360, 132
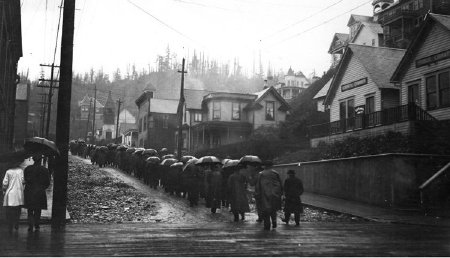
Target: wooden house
424, 72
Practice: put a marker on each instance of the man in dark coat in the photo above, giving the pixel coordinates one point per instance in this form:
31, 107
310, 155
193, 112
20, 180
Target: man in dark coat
238, 194
268, 191
36, 182
293, 188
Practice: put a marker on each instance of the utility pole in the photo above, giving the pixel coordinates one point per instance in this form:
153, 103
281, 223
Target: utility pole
180, 113
50, 95
63, 117
88, 118
43, 102
95, 112
117, 122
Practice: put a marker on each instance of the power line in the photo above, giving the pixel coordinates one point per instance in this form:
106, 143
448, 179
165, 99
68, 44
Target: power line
160, 21
321, 24
57, 31
202, 5
302, 20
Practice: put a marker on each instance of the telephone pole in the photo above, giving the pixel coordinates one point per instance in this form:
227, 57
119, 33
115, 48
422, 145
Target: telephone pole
50, 95
117, 122
180, 113
43, 102
95, 113
63, 117
88, 118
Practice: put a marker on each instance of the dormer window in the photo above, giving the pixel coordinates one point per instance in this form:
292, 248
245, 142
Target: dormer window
236, 111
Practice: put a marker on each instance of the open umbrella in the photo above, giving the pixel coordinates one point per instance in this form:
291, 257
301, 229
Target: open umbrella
186, 158
153, 160
40, 145
168, 156
168, 162
177, 164
138, 151
150, 152
190, 162
249, 159
206, 160
231, 163
225, 161
103, 148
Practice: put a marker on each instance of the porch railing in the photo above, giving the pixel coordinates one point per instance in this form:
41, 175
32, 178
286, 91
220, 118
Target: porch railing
409, 112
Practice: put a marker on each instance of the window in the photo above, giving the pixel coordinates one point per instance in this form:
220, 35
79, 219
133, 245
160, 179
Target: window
444, 89
151, 122
108, 135
373, 42
140, 125
145, 124
236, 111
198, 117
347, 111
216, 110
413, 94
438, 90
370, 105
270, 110
165, 121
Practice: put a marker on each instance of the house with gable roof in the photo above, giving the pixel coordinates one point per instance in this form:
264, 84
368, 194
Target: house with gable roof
424, 71
229, 118
363, 102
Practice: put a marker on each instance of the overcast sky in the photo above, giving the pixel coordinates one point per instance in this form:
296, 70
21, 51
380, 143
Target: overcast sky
114, 33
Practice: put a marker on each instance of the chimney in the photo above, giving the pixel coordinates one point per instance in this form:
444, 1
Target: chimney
265, 85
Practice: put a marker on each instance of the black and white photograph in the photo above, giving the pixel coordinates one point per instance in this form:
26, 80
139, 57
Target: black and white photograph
225, 128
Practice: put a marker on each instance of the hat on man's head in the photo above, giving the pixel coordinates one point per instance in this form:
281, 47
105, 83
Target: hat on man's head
267, 163
291, 172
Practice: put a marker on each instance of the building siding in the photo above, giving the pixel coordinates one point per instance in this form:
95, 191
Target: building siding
436, 41
260, 114
354, 71
365, 37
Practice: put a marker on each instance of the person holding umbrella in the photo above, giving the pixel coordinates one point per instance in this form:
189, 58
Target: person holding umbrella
13, 198
36, 182
237, 190
268, 191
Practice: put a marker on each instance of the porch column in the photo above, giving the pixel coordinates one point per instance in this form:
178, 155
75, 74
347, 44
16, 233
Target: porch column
228, 135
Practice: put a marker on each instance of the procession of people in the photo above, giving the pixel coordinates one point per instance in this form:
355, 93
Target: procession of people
223, 184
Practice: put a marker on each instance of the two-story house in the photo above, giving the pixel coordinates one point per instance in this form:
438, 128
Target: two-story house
229, 118
424, 72
156, 122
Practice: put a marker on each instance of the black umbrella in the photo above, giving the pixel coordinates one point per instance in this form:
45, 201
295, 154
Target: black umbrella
185, 159
40, 146
150, 152
168, 156
130, 150
206, 160
231, 163
168, 162
250, 159
153, 160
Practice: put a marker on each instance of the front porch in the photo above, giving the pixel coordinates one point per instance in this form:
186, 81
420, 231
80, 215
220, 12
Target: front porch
213, 134
398, 119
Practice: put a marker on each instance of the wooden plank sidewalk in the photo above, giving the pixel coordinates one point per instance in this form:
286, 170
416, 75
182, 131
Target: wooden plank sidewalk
229, 239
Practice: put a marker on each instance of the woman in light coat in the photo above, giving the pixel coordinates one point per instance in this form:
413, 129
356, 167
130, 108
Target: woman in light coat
13, 197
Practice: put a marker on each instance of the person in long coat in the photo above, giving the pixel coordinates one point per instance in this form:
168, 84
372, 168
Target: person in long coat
238, 195
268, 191
193, 183
13, 198
214, 188
293, 188
36, 182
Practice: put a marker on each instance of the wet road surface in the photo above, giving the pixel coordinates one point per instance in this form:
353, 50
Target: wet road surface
229, 239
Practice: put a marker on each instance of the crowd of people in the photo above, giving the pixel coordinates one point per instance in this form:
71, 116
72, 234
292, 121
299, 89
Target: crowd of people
222, 183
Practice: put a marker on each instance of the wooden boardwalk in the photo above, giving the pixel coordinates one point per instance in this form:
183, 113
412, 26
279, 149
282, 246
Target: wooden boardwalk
229, 239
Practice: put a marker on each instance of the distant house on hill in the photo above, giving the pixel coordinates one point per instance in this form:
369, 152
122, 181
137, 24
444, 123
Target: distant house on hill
291, 84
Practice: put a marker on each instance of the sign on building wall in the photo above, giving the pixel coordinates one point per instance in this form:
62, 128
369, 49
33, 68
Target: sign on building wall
433, 58
354, 84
